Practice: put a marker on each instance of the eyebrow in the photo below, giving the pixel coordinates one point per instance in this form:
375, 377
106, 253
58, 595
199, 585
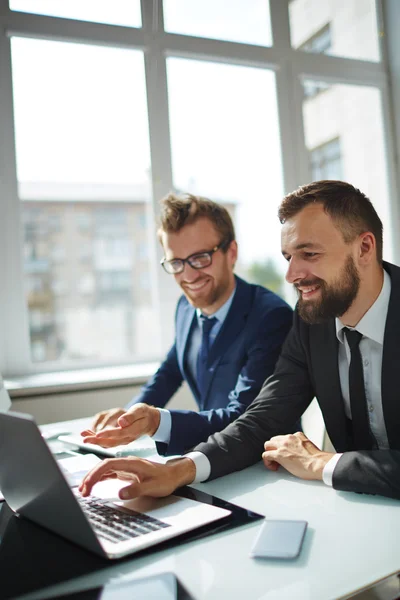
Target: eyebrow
193, 254
310, 245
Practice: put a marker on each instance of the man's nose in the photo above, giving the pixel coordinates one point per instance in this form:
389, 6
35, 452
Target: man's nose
189, 273
296, 270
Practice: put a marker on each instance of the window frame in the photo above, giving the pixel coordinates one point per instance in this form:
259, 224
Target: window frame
291, 67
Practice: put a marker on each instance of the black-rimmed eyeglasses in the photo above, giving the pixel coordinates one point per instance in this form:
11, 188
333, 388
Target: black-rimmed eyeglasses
199, 260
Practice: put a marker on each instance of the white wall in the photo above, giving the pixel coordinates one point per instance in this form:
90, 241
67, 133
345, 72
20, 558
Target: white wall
62, 407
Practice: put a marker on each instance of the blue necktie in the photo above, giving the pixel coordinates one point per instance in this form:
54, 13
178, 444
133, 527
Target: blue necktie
206, 326
358, 402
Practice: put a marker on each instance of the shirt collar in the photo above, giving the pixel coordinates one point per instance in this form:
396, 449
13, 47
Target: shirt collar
372, 325
221, 313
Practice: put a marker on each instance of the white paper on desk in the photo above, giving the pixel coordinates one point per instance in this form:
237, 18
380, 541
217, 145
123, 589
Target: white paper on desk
76, 467
140, 447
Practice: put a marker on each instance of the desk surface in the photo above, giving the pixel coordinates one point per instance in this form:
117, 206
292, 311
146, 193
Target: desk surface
352, 541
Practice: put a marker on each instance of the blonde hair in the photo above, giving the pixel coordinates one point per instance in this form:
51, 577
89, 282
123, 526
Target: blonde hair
178, 210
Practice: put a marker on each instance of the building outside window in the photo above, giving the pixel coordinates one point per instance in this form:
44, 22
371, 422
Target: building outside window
326, 161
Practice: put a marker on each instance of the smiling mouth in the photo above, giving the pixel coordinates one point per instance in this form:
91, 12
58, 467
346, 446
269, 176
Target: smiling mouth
309, 291
195, 287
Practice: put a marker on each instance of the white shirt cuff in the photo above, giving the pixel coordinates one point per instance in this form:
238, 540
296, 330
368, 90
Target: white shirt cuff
327, 473
163, 433
202, 464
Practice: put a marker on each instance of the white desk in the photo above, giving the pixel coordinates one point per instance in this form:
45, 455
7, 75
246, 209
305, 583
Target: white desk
352, 541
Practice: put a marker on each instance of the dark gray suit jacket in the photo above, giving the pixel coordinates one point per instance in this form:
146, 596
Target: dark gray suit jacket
308, 367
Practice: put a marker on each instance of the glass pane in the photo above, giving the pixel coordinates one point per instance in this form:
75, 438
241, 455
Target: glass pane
225, 146
344, 136
346, 28
244, 21
117, 12
83, 165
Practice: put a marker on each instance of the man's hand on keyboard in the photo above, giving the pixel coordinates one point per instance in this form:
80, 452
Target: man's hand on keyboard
145, 478
139, 420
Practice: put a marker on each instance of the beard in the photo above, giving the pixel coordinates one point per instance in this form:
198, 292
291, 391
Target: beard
205, 300
335, 298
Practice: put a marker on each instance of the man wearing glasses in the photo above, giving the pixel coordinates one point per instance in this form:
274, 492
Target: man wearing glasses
228, 336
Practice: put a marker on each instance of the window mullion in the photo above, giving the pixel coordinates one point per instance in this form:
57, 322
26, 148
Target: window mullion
294, 154
14, 342
70, 30
280, 25
163, 287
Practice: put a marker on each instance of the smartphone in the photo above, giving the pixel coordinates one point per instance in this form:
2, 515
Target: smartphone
279, 539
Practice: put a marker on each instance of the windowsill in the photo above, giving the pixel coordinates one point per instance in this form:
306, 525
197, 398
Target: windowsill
79, 380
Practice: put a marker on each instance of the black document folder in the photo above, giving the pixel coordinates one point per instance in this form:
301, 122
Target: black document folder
32, 558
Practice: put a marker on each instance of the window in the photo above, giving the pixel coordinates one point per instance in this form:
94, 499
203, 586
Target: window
352, 115
83, 220
245, 21
241, 101
117, 12
58, 253
319, 43
83, 166
352, 30
326, 161
235, 161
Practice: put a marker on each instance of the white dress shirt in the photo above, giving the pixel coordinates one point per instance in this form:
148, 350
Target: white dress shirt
372, 327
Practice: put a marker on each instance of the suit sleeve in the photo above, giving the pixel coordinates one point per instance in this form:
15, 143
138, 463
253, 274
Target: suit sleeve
190, 428
369, 472
163, 385
282, 400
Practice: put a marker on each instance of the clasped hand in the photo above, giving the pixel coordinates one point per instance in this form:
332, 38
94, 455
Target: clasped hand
123, 427
297, 454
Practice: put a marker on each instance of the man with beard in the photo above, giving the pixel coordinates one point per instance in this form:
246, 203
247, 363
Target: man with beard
229, 335
343, 349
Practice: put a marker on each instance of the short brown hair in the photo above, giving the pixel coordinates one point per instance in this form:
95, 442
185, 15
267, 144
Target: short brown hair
178, 210
350, 209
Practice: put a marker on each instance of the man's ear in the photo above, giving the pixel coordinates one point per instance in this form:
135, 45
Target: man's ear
367, 248
233, 252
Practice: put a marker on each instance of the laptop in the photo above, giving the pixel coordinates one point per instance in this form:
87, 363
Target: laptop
35, 487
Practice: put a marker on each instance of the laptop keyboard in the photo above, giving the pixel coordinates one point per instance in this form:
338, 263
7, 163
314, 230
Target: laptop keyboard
117, 525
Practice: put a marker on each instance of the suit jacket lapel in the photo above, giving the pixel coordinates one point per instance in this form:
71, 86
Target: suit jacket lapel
231, 328
325, 367
183, 330
391, 361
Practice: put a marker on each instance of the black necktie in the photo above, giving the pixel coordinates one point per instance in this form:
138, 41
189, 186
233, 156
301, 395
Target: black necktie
206, 326
358, 402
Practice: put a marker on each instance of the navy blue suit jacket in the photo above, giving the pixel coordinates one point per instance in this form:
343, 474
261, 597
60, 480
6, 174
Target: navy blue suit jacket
242, 356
